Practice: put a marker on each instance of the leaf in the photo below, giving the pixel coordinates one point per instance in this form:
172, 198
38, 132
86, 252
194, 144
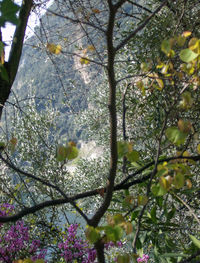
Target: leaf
54, 49
8, 10
176, 136
92, 234
198, 148
122, 148
194, 45
113, 233
84, 60
184, 126
179, 180
115, 220
4, 73
186, 33
91, 48
158, 190
123, 258
71, 151
195, 241
128, 227
12, 144
187, 55
142, 199
140, 85
133, 156
186, 101
181, 40
166, 46
61, 153
95, 10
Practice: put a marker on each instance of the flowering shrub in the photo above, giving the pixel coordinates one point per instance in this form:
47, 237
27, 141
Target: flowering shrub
15, 242
143, 259
75, 248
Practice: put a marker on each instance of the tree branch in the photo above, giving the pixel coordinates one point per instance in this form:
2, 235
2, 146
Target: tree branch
17, 43
139, 28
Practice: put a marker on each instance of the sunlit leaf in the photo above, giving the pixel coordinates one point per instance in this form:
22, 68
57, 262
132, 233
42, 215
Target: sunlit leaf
195, 241
95, 10
194, 45
166, 46
186, 33
91, 48
186, 101
84, 60
176, 136
187, 55
54, 49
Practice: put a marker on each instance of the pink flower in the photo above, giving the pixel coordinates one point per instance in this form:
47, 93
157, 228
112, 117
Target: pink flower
143, 259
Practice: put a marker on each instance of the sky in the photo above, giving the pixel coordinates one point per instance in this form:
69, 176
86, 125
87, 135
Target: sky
9, 29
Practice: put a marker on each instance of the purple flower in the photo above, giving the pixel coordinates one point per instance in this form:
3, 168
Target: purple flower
143, 259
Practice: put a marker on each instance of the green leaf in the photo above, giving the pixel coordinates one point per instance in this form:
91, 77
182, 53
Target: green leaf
195, 241
4, 73
179, 180
158, 190
187, 55
133, 156
123, 258
61, 153
92, 234
122, 148
176, 136
114, 233
72, 152
8, 11
166, 46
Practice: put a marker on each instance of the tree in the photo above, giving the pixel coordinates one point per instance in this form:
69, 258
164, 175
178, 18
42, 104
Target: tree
153, 166
10, 68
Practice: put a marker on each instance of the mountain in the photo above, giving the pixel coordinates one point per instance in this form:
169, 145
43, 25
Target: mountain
60, 79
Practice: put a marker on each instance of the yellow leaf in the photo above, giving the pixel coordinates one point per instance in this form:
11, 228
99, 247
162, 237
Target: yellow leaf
54, 49
186, 33
84, 61
189, 183
95, 10
91, 48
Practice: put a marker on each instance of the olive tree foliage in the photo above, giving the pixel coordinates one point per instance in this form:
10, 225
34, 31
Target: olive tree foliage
145, 114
